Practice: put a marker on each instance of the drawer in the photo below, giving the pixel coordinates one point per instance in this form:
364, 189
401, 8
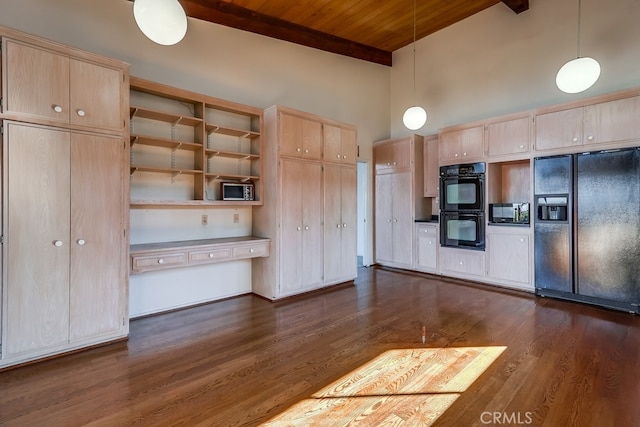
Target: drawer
427, 230
211, 255
157, 262
252, 251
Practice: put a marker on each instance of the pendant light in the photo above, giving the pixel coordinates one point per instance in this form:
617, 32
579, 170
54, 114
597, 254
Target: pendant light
415, 117
162, 21
578, 74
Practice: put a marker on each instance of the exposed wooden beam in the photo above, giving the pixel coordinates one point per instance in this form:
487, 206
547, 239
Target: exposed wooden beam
230, 15
518, 6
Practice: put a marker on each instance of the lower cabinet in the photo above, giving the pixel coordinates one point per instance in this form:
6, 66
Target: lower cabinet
394, 220
509, 257
426, 249
462, 263
65, 245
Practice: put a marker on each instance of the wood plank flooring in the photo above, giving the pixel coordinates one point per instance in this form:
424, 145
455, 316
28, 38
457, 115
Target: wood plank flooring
246, 361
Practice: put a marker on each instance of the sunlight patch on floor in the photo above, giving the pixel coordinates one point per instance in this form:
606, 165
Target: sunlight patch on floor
399, 387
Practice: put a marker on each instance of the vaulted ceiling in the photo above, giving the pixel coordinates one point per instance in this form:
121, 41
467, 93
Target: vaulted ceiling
365, 29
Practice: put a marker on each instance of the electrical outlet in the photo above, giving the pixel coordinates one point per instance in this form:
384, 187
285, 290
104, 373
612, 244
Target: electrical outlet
205, 219
236, 218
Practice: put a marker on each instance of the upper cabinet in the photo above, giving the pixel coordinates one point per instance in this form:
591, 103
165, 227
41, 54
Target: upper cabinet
431, 169
509, 138
615, 120
55, 87
392, 157
339, 144
301, 137
185, 145
462, 145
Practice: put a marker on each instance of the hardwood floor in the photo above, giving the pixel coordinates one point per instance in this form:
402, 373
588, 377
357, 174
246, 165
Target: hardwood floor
244, 361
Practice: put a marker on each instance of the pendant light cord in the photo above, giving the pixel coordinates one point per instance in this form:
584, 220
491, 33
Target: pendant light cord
414, 51
579, 9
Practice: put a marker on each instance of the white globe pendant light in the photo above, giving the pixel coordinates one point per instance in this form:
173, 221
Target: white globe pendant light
414, 117
578, 74
162, 21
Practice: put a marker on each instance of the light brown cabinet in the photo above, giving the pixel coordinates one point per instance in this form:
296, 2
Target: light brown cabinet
399, 199
509, 256
431, 168
64, 206
427, 244
509, 138
462, 145
310, 217
463, 263
589, 127
65, 274
54, 87
340, 218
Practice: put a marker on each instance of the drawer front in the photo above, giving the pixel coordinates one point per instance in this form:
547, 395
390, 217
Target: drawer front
252, 251
212, 255
157, 262
427, 230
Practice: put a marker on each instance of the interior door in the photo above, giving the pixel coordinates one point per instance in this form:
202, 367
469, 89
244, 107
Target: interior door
36, 234
97, 268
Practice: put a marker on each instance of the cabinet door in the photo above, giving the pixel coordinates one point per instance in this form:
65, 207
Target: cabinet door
402, 218
383, 217
559, 129
383, 158
427, 247
472, 144
300, 137
293, 175
37, 82
612, 121
95, 95
349, 146
312, 215
349, 214
332, 143
97, 274
508, 256
449, 147
431, 170
36, 232
508, 137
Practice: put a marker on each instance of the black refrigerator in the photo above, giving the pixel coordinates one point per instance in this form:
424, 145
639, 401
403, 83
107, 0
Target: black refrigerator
587, 228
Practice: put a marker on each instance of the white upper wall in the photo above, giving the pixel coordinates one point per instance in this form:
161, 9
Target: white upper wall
497, 62
219, 61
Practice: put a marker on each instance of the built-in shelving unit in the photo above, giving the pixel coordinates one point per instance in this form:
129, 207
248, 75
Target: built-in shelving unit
184, 144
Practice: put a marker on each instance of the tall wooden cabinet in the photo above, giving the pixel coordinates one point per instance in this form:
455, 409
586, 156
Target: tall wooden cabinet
399, 198
65, 199
309, 184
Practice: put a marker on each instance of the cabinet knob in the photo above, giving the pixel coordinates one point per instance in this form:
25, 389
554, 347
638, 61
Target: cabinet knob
395, 163
344, 225
210, 255
388, 163
338, 156
251, 250
306, 227
344, 157
160, 261
306, 150
464, 154
461, 263
81, 113
590, 137
338, 226
388, 220
57, 243
521, 146
431, 242
575, 139
522, 239
81, 242
395, 220
299, 228
299, 150
57, 108
455, 155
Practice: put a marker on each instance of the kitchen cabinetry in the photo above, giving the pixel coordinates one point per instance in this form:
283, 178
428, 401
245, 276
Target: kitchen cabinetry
590, 126
462, 263
340, 218
184, 145
75, 293
427, 243
399, 199
509, 256
64, 199
462, 145
48, 84
431, 168
509, 138
166, 255
310, 217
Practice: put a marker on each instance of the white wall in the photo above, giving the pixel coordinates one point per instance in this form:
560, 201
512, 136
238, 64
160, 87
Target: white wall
225, 63
497, 62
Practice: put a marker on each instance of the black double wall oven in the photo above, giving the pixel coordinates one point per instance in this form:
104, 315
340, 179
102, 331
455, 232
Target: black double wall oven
462, 218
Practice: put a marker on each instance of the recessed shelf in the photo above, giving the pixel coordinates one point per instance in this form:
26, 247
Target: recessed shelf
179, 204
165, 143
242, 178
212, 128
162, 116
231, 155
165, 170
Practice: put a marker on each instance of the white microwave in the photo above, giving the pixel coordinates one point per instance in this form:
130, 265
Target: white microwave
236, 191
